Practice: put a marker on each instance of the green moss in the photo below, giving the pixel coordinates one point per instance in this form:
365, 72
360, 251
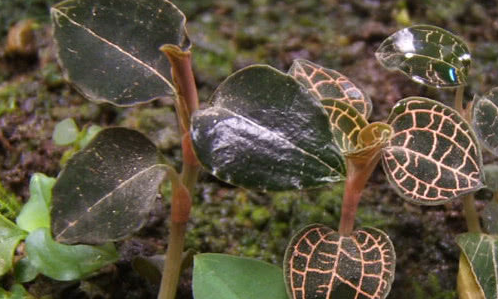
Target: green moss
432, 289
9, 95
9, 204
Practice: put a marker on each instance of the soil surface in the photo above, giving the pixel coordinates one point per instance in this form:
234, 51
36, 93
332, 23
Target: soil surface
228, 35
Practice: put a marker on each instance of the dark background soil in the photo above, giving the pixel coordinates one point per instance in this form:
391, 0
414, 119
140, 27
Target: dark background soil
228, 35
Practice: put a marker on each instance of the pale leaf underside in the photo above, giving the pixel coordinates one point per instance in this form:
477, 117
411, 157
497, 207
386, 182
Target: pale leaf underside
319, 263
433, 156
325, 83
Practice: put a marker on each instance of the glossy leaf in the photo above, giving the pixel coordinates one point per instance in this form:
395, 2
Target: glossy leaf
265, 131
221, 276
106, 190
428, 55
326, 83
10, 236
319, 263
110, 49
433, 156
467, 286
66, 262
481, 251
485, 120
36, 212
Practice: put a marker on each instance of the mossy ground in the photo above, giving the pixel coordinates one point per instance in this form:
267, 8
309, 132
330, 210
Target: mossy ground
228, 35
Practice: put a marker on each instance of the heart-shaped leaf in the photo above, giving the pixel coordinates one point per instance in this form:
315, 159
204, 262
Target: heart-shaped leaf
106, 190
221, 276
428, 55
433, 156
110, 49
266, 131
485, 120
320, 263
481, 251
36, 212
10, 236
325, 83
66, 262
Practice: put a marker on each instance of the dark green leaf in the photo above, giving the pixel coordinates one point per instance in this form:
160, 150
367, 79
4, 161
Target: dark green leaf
325, 83
106, 190
481, 251
265, 131
66, 262
10, 236
321, 264
36, 212
433, 156
428, 55
110, 48
485, 120
220, 276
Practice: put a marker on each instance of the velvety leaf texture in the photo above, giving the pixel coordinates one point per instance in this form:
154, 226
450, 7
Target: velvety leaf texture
221, 276
485, 120
433, 155
481, 251
106, 190
321, 264
427, 54
110, 48
266, 131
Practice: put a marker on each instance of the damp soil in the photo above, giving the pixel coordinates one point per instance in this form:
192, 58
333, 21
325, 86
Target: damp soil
228, 35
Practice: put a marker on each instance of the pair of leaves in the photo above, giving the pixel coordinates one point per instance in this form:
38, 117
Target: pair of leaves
320, 263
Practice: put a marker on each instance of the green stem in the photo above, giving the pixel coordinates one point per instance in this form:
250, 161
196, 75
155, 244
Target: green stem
469, 208
471, 215
183, 186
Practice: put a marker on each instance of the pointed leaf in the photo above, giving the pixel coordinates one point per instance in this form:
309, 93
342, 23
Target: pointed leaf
265, 131
106, 190
428, 55
485, 120
10, 236
66, 262
433, 156
36, 212
467, 286
221, 276
110, 49
320, 263
481, 251
326, 83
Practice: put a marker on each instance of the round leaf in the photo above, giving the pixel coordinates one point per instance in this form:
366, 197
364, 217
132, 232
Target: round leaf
65, 132
428, 55
325, 83
106, 190
485, 120
221, 276
10, 236
320, 263
433, 155
481, 251
265, 131
66, 262
110, 49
